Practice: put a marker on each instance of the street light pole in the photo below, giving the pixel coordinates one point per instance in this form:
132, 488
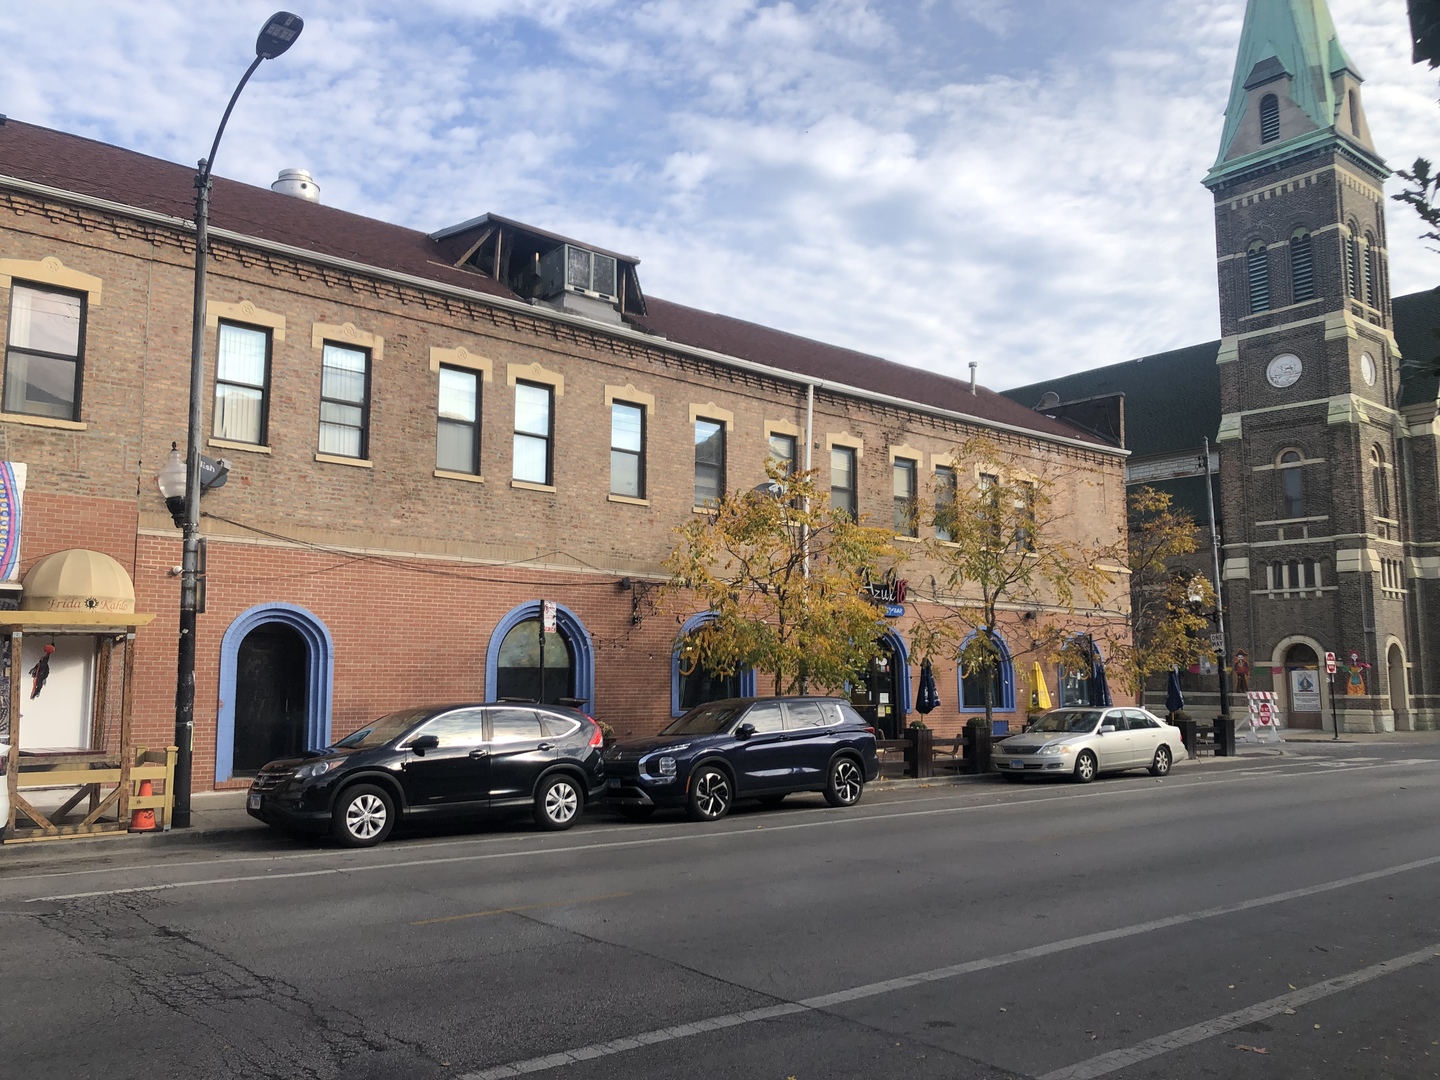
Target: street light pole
278, 34
1219, 596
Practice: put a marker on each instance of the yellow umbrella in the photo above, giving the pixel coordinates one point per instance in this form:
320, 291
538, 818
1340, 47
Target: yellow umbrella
1039, 693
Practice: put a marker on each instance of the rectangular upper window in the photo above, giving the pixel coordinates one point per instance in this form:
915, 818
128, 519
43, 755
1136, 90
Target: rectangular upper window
627, 450
534, 433
709, 461
345, 401
44, 352
842, 480
905, 493
944, 501
457, 425
242, 376
782, 452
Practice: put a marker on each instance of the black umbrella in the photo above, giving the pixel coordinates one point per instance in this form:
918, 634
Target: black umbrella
928, 698
1174, 699
1099, 684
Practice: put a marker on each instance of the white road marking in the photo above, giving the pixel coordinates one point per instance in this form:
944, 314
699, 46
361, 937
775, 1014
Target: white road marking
1116, 1060
904, 982
830, 819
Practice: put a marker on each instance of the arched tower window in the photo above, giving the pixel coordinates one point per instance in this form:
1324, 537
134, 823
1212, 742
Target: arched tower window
1257, 269
1269, 118
1350, 245
1354, 99
1381, 478
1372, 271
1292, 490
1302, 267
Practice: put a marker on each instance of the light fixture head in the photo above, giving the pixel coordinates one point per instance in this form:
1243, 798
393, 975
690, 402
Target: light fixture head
171, 483
278, 34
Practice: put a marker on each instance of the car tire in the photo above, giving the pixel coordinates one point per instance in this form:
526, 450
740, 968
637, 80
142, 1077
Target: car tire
363, 816
772, 802
711, 794
1086, 767
635, 813
1161, 765
558, 802
846, 782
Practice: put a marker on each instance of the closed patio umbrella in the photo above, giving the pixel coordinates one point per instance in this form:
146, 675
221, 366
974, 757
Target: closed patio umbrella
1174, 699
1099, 685
928, 698
1039, 693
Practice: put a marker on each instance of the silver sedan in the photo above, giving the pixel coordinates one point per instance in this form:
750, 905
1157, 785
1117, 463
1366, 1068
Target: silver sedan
1084, 742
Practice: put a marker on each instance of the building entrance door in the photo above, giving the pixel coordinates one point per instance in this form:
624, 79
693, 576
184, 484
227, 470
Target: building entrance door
877, 696
1302, 687
271, 677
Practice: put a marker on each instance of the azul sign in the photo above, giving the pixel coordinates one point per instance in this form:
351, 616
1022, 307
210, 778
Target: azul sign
888, 590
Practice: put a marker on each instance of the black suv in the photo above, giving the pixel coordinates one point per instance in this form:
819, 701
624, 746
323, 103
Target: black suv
450, 760
741, 748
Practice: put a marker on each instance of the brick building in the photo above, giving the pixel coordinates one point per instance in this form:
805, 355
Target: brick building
427, 435
1320, 397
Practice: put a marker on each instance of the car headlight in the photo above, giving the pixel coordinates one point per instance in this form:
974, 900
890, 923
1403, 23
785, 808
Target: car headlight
316, 768
666, 765
1056, 748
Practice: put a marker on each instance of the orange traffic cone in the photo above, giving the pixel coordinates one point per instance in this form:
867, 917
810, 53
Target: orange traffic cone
143, 820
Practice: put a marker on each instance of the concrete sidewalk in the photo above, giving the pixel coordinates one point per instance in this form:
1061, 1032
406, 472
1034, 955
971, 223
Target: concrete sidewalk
1383, 738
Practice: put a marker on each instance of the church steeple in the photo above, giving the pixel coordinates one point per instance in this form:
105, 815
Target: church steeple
1294, 88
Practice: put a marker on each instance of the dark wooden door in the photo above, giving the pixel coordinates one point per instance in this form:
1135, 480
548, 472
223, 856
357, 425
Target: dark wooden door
270, 697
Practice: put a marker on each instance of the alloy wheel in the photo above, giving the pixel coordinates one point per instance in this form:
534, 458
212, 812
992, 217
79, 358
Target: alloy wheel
847, 781
562, 802
365, 817
712, 793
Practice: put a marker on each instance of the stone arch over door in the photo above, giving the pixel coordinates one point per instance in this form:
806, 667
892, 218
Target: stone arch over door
1282, 681
569, 626
319, 675
1397, 685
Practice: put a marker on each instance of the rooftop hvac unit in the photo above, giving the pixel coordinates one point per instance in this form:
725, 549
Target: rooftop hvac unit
572, 269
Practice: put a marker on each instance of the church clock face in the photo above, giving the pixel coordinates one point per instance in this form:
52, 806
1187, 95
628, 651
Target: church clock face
1283, 371
1367, 368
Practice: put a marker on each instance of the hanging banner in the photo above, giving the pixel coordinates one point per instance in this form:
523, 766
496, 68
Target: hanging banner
547, 616
12, 491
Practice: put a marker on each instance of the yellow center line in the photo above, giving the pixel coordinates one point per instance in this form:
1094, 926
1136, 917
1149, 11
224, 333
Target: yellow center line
522, 907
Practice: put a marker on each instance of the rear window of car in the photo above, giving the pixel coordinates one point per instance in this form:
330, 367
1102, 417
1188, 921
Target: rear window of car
559, 727
515, 726
848, 715
809, 714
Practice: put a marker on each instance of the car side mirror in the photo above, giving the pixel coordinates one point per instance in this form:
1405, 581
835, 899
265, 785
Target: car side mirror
744, 731
425, 742
1104, 728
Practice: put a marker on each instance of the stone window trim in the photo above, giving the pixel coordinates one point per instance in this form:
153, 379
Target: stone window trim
51, 271
44, 421
845, 440
535, 373
628, 395
340, 459
783, 427
942, 461
1289, 464
247, 314
461, 357
713, 412
346, 334
909, 453
469, 478
243, 447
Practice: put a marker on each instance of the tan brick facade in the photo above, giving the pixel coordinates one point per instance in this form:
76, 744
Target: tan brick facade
410, 571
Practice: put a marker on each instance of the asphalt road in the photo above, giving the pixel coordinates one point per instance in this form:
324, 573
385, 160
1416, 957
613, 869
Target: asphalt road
1266, 917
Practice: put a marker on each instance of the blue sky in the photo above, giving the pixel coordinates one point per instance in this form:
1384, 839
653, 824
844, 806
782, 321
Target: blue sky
1014, 182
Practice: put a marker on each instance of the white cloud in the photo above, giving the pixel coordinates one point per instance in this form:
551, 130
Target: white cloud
917, 179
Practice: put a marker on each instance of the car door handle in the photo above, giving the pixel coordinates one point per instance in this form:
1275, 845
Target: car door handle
546, 746
481, 752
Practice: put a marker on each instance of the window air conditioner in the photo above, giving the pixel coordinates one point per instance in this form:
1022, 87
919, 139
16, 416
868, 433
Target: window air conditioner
572, 269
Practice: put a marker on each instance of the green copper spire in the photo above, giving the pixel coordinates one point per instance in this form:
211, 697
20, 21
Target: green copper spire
1295, 38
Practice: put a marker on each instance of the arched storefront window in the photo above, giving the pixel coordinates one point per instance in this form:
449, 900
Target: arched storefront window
1001, 679
518, 672
691, 685
512, 659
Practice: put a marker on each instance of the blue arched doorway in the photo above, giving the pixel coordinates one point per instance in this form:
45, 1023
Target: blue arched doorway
883, 696
512, 667
277, 669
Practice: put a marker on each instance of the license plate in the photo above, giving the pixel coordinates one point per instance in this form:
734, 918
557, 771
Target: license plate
614, 782
254, 802
1017, 764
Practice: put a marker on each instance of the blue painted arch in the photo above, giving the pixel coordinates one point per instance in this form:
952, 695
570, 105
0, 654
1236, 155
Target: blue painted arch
569, 626
896, 644
747, 676
1007, 679
319, 676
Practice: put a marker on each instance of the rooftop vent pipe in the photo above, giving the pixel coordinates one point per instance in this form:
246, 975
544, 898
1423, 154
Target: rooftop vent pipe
973, 365
297, 183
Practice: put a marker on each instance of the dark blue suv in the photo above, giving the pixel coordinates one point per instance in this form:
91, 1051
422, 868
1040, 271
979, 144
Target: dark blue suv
744, 748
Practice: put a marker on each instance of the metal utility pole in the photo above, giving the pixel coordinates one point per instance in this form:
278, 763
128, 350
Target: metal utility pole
1219, 596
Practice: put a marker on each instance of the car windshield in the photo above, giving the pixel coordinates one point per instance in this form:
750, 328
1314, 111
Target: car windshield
1068, 722
706, 719
378, 733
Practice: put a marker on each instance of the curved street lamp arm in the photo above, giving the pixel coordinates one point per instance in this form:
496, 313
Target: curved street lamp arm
209, 163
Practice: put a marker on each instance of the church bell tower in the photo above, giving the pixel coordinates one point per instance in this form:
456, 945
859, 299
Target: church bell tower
1314, 556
